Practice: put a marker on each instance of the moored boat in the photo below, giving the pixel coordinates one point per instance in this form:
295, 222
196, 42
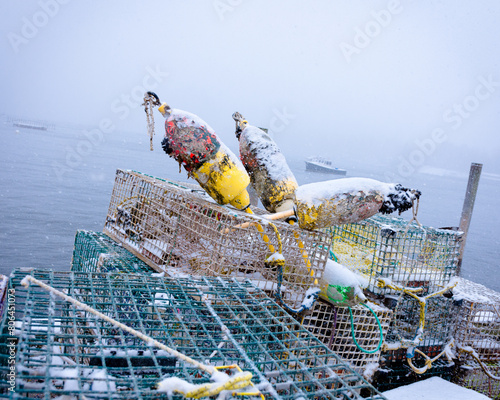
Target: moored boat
320, 164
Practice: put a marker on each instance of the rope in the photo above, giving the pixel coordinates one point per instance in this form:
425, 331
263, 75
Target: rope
379, 327
277, 260
150, 100
414, 210
236, 382
428, 361
422, 302
474, 355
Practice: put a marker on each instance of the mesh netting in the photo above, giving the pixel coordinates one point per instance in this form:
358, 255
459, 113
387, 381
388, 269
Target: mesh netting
96, 252
472, 376
64, 351
439, 324
388, 247
174, 225
479, 320
332, 325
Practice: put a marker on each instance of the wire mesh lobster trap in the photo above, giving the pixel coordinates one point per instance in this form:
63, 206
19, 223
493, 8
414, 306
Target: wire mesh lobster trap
96, 252
338, 331
391, 248
62, 350
478, 337
167, 224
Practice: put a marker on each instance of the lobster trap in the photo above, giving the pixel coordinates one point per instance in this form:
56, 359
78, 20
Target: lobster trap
405, 254
335, 328
64, 350
96, 252
172, 225
478, 337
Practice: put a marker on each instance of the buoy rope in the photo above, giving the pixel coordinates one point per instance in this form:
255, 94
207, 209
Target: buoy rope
381, 332
150, 100
236, 382
475, 356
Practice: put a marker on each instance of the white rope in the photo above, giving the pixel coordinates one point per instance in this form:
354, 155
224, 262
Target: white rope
207, 368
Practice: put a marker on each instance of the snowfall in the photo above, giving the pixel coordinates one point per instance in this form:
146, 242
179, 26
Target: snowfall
434, 388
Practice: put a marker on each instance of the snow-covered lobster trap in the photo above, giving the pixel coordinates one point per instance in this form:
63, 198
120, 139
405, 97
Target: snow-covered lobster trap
347, 332
168, 224
478, 338
96, 252
401, 253
65, 350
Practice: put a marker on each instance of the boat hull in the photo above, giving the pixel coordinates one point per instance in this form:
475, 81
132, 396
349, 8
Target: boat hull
317, 167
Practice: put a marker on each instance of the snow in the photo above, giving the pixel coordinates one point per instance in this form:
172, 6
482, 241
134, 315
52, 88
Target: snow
316, 193
434, 388
184, 119
267, 153
337, 274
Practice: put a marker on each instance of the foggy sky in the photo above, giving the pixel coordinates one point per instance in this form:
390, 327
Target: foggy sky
415, 82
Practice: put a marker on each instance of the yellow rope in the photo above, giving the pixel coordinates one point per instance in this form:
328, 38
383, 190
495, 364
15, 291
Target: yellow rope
428, 360
474, 355
237, 382
421, 300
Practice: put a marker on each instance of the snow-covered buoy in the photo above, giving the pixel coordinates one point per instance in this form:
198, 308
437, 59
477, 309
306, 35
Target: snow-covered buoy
195, 146
269, 173
342, 201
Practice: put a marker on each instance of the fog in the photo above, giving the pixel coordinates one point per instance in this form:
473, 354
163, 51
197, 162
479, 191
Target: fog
405, 84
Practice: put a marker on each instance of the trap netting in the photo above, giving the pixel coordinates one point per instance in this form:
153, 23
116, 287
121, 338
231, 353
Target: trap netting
62, 350
402, 253
168, 224
96, 252
478, 337
334, 327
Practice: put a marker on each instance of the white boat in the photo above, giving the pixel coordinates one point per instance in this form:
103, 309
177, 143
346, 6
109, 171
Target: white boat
320, 164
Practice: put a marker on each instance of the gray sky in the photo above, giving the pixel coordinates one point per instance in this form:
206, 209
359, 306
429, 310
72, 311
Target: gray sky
409, 83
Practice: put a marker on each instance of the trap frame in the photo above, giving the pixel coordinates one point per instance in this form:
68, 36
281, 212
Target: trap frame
169, 224
392, 248
478, 329
97, 252
332, 326
63, 350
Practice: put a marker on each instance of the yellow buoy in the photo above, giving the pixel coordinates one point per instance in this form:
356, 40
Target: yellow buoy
195, 146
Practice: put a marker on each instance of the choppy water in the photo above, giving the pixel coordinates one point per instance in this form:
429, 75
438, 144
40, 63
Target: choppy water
53, 183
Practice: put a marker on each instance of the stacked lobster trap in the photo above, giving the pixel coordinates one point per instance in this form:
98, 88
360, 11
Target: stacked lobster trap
64, 350
174, 225
96, 252
478, 338
409, 269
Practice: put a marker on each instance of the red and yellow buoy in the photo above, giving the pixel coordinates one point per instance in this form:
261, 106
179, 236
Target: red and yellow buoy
195, 146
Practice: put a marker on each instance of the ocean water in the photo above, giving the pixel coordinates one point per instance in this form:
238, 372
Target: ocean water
54, 182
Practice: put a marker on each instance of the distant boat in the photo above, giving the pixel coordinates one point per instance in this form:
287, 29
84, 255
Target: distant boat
30, 125
320, 164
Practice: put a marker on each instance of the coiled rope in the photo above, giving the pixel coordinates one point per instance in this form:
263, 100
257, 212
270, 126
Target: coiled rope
238, 381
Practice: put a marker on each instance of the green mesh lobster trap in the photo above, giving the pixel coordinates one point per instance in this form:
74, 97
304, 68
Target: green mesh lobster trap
63, 350
478, 338
172, 225
405, 254
96, 252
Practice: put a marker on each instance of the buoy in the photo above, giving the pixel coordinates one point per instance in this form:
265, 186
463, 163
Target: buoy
195, 146
269, 172
342, 201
